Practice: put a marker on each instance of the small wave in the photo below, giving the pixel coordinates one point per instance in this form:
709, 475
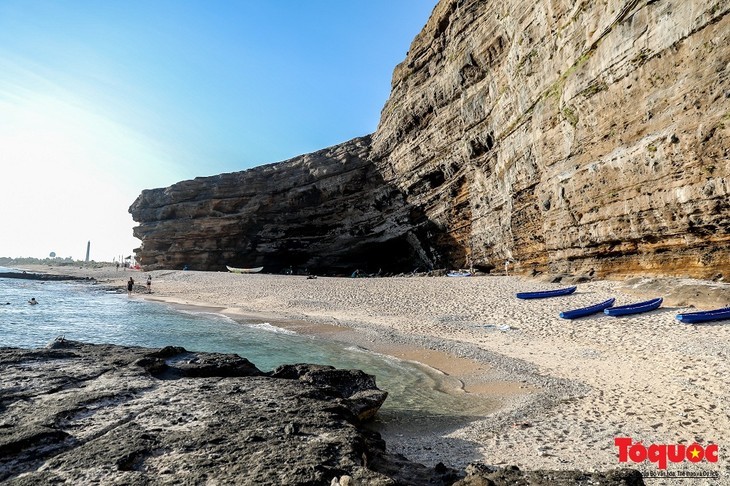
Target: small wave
370, 352
207, 315
394, 360
265, 326
359, 349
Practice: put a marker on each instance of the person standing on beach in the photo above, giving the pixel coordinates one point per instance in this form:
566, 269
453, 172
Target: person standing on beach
130, 286
149, 284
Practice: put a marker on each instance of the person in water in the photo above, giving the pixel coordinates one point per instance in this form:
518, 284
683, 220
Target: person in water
32, 301
130, 286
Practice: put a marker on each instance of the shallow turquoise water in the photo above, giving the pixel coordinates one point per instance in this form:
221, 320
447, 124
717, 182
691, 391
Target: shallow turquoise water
84, 312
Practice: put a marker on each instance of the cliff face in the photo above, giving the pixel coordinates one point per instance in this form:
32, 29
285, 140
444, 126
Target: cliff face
326, 211
565, 136
570, 135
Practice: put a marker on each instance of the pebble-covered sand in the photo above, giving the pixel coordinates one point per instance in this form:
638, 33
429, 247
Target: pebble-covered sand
583, 383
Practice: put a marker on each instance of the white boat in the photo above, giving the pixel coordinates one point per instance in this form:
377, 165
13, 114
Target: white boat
459, 273
244, 270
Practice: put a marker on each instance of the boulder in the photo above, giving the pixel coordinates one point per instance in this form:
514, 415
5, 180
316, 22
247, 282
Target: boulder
357, 389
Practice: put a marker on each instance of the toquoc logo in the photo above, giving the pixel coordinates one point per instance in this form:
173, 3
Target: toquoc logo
662, 454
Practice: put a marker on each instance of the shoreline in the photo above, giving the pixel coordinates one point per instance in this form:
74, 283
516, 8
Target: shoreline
647, 376
476, 375
480, 377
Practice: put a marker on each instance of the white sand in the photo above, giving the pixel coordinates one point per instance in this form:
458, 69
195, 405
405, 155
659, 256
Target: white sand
646, 376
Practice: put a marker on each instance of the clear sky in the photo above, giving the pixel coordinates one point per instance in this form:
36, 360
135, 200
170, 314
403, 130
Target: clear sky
102, 99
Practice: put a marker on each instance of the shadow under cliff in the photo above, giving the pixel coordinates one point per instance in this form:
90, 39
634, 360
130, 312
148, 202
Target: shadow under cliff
329, 212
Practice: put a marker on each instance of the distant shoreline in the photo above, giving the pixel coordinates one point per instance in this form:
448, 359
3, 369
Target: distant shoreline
41, 276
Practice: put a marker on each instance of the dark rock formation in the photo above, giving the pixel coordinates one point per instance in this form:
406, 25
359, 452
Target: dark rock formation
567, 137
79, 413
481, 475
326, 211
358, 389
40, 276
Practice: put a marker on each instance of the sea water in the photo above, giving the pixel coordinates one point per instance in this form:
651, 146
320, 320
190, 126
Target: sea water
419, 397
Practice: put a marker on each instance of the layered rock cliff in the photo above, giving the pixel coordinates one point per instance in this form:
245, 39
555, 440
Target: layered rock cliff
580, 137
326, 211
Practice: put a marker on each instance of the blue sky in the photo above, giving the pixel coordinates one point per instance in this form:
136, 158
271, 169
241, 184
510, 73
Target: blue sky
102, 99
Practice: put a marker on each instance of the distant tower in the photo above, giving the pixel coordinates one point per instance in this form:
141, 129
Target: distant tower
88, 250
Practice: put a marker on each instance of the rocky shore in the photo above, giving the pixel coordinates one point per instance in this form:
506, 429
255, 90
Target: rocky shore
46, 277
78, 413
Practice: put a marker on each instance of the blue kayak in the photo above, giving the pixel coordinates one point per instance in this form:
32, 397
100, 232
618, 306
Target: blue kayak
704, 316
546, 293
636, 308
587, 311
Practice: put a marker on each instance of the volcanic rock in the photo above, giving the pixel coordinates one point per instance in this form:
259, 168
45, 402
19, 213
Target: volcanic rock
481, 475
81, 413
78, 413
360, 394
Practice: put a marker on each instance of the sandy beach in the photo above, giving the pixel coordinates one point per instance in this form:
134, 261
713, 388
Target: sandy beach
566, 389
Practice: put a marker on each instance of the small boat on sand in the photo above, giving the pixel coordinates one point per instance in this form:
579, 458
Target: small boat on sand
459, 273
587, 311
244, 270
637, 308
704, 316
544, 294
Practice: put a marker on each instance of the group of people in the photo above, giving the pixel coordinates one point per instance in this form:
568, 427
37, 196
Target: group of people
130, 289
130, 285
125, 265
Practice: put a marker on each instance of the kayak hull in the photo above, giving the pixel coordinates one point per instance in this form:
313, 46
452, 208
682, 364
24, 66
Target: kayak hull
704, 316
637, 308
587, 311
546, 293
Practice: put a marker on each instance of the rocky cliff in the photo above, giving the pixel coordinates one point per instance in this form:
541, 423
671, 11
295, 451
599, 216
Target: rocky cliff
579, 137
326, 211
